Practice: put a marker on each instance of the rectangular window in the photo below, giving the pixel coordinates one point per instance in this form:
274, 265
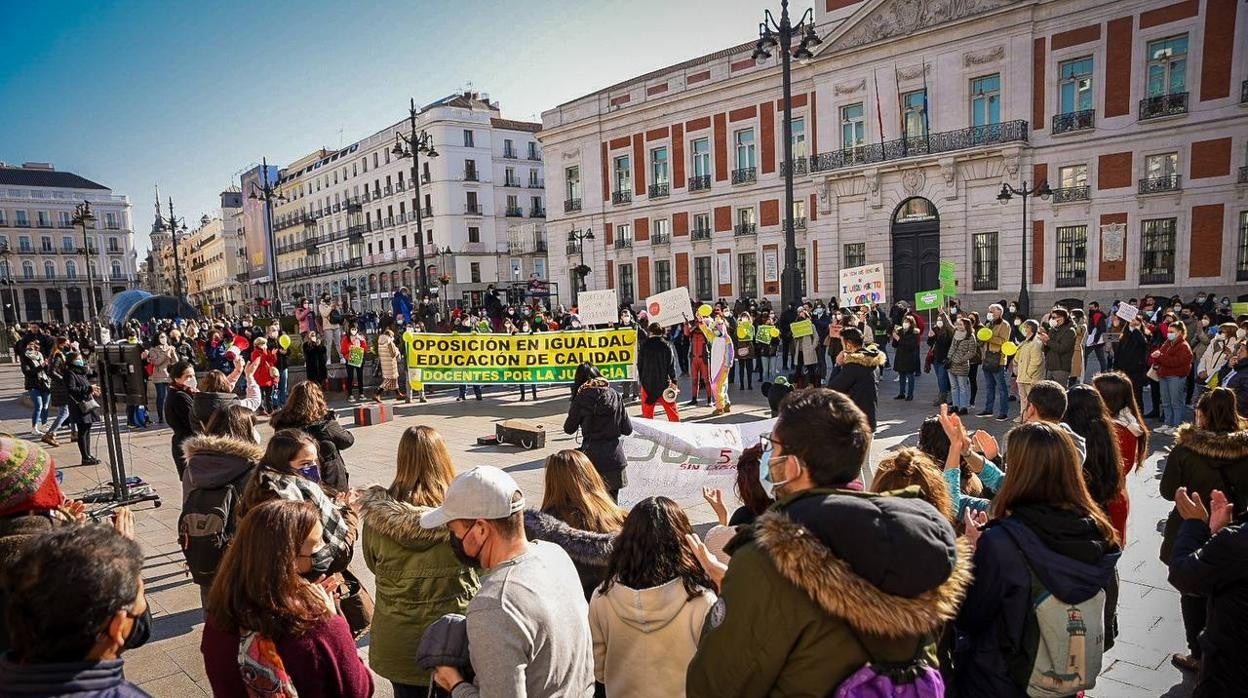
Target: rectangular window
470, 170
623, 174
626, 283
509, 149
744, 141
801, 271
1072, 256
1074, 90
467, 143
22, 220
473, 206
914, 114
1157, 251
747, 273
702, 223
474, 234
1161, 166
45, 243
855, 254
474, 272
572, 184
702, 278
662, 275
1241, 254
23, 243
67, 243
984, 256
509, 177
1073, 176
986, 100
539, 267
43, 220
624, 233
799, 138
662, 230
1167, 66
853, 130
745, 217
701, 149
658, 166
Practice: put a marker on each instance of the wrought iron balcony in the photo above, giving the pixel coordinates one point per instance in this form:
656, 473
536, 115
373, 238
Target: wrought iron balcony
622, 197
537, 184
1074, 121
400, 186
472, 209
799, 223
352, 204
1159, 106
571, 205
660, 190
357, 231
535, 156
537, 213
940, 142
1243, 175
511, 182
1157, 276
515, 212
1158, 185
471, 176
388, 190
700, 234
310, 244
1065, 195
744, 175
661, 239
800, 166
509, 154
623, 243
743, 229
699, 183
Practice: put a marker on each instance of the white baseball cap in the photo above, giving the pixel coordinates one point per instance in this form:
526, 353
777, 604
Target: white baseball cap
485, 492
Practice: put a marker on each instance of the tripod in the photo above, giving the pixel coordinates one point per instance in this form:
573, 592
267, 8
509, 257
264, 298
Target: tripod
112, 368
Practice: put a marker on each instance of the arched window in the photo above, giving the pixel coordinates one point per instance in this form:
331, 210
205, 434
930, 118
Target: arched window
394, 280
372, 283
49, 269
913, 210
28, 269
71, 269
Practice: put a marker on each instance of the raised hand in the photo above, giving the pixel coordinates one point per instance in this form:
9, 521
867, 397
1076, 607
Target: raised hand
710, 564
1220, 511
715, 498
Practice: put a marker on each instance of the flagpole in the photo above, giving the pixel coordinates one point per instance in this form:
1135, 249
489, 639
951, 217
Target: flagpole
901, 107
879, 112
927, 138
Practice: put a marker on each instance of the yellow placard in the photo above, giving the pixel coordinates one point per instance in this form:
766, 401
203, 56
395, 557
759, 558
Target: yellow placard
542, 357
802, 328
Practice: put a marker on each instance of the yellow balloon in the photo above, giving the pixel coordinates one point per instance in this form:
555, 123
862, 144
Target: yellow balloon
408, 334
704, 310
284, 341
1009, 348
984, 334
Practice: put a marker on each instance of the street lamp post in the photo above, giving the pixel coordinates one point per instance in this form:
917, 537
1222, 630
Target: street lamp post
578, 237
1008, 191
7, 280
83, 217
268, 194
416, 143
174, 225
773, 34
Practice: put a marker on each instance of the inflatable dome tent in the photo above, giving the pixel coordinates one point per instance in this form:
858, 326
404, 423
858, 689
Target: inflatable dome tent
140, 305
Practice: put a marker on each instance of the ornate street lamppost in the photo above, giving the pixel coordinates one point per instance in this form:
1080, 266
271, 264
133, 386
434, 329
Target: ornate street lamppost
416, 143
1008, 191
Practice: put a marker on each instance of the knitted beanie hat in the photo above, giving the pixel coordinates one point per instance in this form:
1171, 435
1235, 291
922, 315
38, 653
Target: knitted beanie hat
25, 468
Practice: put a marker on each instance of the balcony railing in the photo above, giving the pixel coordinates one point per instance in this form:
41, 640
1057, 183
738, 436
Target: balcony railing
511, 183
661, 239
426, 212
471, 176
1074, 121
1157, 276
472, 209
368, 195
359, 230
699, 183
535, 156
1243, 175
1065, 195
801, 165
799, 223
537, 213
1157, 185
400, 186
352, 204
515, 212
700, 234
623, 243
622, 197
509, 154
940, 142
537, 184
742, 229
571, 205
1159, 106
744, 175
660, 190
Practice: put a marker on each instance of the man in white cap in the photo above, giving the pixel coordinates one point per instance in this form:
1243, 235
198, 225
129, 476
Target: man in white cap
528, 625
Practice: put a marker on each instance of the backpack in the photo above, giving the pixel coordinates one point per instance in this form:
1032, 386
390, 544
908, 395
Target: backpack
335, 316
913, 678
1062, 643
205, 528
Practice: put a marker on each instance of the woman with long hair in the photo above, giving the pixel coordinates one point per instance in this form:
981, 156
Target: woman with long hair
1173, 361
307, 411
81, 392
1119, 396
216, 392
1087, 416
578, 514
646, 618
906, 360
597, 410
1211, 454
270, 628
911, 467
1046, 530
419, 579
178, 405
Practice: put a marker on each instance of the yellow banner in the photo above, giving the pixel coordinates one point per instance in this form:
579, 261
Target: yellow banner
541, 357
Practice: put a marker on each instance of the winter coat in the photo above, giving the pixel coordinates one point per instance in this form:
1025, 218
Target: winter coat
1059, 351
418, 579
1236, 378
598, 411
655, 628
1076, 354
1029, 361
204, 405
992, 358
306, 317
907, 345
1203, 461
1131, 354
961, 352
34, 372
940, 343
215, 462
388, 355
590, 551
1198, 338
57, 368
656, 367
78, 386
162, 357
178, 414
807, 348
15, 533
1072, 560
814, 579
401, 304
859, 379
1175, 360
268, 362
324, 309
331, 439
1211, 361
1214, 568
316, 359
340, 523
99, 678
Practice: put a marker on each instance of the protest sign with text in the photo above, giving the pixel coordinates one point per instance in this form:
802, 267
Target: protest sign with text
863, 285
597, 307
670, 307
678, 459
541, 357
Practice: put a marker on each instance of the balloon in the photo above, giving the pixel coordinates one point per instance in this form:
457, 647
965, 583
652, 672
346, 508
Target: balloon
284, 341
704, 310
409, 334
984, 334
1009, 348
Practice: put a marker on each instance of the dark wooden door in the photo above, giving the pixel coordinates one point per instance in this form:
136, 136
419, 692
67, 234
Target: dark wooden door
916, 259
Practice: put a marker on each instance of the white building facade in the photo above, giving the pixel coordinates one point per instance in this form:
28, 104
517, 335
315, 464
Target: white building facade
215, 256
907, 122
43, 257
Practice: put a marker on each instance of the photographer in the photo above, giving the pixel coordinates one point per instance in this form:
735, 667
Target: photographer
83, 408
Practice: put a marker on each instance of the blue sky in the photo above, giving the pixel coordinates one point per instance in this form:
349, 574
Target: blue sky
188, 94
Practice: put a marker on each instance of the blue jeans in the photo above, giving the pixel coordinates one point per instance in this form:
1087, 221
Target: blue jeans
41, 399
906, 387
279, 394
476, 391
998, 386
961, 391
60, 418
162, 391
942, 377
1172, 389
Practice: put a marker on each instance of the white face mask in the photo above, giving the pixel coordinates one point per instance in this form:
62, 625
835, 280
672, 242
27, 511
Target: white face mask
1241, 333
191, 382
940, 323
905, 325
1018, 321
959, 334
1172, 336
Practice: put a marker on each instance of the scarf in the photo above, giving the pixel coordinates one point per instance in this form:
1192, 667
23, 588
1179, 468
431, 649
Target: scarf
263, 672
183, 388
1127, 419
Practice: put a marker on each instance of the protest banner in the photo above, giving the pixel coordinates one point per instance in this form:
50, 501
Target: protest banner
597, 307
670, 307
541, 357
929, 300
802, 328
948, 276
863, 285
678, 459
1127, 312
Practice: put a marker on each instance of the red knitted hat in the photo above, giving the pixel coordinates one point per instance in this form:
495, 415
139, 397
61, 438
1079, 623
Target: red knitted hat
27, 478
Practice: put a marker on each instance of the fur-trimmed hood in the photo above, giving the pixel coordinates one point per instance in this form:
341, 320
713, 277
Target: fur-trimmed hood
890, 566
399, 521
1232, 446
869, 356
214, 461
584, 547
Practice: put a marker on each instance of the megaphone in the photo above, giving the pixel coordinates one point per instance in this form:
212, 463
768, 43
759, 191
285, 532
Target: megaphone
239, 345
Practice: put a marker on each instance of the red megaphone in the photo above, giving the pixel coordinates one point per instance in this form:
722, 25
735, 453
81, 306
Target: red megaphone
237, 346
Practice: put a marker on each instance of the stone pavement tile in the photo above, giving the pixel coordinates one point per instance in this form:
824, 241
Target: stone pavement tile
190, 660
1139, 655
1166, 681
142, 667
180, 685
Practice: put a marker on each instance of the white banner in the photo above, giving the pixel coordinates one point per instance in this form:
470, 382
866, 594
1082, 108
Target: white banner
863, 285
669, 307
597, 307
677, 459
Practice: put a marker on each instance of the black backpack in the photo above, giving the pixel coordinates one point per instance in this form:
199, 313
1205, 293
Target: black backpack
335, 316
206, 527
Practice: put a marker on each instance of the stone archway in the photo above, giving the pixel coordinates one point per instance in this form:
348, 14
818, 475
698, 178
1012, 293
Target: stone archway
915, 248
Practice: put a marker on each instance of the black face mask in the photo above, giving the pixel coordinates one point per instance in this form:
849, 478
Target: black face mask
457, 547
141, 631
322, 559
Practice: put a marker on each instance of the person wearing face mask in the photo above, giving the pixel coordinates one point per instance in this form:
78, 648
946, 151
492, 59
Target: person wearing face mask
906, 358
265, 358
76, 604
1059, 347
994, 366
858, 376
629, 389
270, 627
1028, 365
316, 360
962, 349
939, 338
161, 356
1234, 375
182, 389
305, 316
1173, 362
528, 624
81, 396
353, 348
786, 591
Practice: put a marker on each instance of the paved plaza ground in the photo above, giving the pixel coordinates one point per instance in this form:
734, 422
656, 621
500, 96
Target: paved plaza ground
171, 665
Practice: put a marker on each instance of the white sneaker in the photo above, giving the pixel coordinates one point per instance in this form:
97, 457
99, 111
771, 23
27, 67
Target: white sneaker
1166, 430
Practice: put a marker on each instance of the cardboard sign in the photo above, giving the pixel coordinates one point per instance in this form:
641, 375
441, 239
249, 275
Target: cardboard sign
802, 328
669, 307
863, 285
597, 307
1127, 312
929, 300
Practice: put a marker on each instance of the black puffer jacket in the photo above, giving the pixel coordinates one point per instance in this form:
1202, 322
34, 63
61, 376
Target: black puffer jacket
1203, 461
598, 412
656, 367
1214, 568
204, 405
331, 438
178, 414
858, 378
1131, 352
589, 551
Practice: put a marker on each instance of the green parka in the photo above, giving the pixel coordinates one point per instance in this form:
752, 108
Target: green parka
418, 581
